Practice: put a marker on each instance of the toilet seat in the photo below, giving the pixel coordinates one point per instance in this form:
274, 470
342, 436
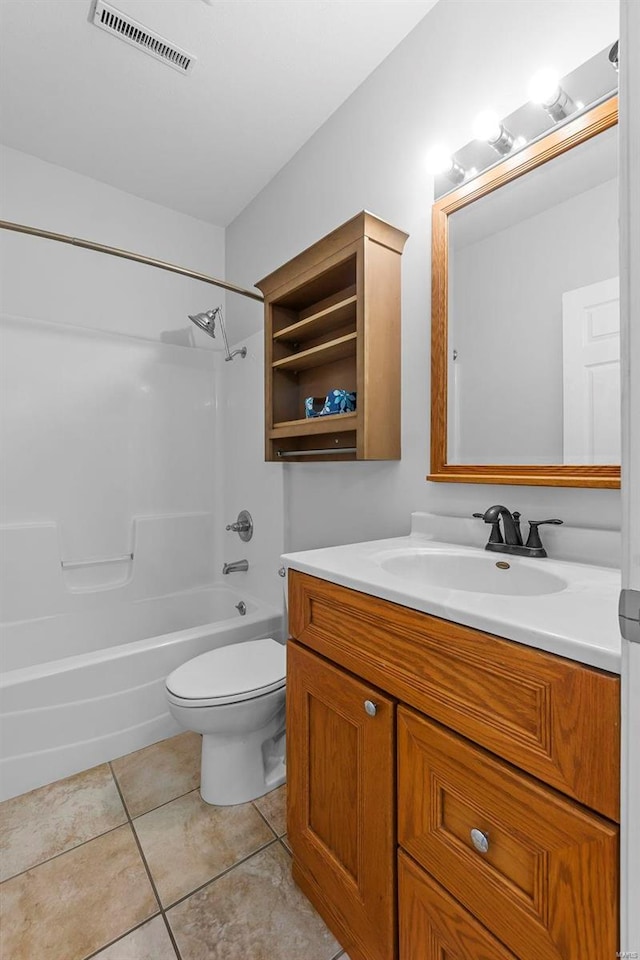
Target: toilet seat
229, 674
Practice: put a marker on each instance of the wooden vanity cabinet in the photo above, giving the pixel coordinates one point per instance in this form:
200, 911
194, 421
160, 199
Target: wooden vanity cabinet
341, 800
518, 746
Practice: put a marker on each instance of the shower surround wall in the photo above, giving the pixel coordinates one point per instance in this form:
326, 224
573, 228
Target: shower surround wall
370, 154
109, 430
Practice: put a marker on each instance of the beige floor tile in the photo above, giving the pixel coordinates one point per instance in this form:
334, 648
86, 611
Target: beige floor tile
273, 807
159, 773
47, 821
71, 906
188, 842
149, 942
254, 912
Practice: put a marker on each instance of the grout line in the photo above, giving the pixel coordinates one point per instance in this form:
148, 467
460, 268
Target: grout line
274, 832
105, 946
144, 812
148, 871
83, 843
164, 804
286, 848
120, 793
171, 936
219, 876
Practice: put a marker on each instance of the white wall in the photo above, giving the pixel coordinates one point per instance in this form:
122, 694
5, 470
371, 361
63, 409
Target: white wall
109, 405
370, 154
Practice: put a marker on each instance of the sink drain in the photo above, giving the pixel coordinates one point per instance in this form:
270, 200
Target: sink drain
503, 565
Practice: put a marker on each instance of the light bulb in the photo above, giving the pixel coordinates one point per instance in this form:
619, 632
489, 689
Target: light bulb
544, 86
439, 160
487, 126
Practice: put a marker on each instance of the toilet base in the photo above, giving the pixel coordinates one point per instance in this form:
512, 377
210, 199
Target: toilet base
238, 769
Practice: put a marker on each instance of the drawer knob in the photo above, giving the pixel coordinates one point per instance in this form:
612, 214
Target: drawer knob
370, 708
480, 840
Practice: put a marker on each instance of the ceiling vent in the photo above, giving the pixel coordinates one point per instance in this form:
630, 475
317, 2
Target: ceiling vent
126, 28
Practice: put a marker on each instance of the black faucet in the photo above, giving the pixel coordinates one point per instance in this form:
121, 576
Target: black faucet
512, 541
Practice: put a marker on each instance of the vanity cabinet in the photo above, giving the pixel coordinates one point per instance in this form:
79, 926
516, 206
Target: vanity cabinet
341, 785
332, 322
502, 827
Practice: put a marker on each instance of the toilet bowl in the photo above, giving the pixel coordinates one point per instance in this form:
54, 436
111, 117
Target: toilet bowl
235, 697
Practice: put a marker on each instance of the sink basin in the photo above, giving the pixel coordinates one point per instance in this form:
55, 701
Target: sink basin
483, 574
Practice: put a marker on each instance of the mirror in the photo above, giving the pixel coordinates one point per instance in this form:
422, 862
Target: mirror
525, 316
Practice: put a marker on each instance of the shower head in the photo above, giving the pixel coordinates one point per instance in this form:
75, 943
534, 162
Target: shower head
206, 321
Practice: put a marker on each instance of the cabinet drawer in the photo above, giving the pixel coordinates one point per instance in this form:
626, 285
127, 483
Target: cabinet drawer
433, 926
546, 884
557, 719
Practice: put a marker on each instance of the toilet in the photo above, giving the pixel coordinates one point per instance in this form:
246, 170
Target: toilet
235, 697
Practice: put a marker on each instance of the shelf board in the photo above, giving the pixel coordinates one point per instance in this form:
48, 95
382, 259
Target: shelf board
321, 322
316, 356
334, 423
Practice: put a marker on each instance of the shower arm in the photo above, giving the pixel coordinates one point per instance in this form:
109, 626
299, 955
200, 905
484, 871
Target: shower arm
242, 351
136, 257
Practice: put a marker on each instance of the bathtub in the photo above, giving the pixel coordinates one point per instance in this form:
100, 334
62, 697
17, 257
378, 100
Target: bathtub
82, 688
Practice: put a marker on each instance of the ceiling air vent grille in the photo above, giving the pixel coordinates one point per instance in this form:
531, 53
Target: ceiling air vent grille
126, 28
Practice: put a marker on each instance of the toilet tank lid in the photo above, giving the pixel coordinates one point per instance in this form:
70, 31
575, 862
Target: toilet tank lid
235, 668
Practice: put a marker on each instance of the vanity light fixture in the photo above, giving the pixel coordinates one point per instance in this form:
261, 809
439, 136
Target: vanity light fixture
489, 128
545, 89
440, 161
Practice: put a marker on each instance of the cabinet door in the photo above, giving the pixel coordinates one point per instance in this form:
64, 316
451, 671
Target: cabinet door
536, 869
433, 926
341, 810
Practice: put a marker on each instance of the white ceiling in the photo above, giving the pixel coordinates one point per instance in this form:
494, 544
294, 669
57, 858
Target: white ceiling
268, 74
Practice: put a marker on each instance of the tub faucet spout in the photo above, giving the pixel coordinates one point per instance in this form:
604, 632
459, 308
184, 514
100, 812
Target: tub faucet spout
236, 566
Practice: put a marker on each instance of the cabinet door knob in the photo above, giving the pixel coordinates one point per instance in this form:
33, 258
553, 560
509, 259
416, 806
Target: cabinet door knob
370, 708
480, 841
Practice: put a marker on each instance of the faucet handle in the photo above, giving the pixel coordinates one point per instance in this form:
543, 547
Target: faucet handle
495, 535
243, 526
533, 540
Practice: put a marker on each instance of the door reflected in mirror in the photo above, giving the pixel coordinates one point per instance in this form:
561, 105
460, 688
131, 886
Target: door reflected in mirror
526, 322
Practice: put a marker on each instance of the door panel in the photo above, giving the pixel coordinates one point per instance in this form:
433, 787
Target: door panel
341, 801
591, 373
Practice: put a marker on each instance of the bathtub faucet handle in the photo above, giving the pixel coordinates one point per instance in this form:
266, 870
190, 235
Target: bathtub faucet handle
243, 526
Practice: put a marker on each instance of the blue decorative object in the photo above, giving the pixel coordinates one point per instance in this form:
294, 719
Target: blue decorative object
336, 401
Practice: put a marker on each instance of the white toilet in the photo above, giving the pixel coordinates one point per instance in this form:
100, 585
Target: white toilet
235, 696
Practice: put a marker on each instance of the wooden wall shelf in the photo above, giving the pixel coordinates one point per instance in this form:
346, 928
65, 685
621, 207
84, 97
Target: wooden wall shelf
336, 349
323, 321
335, 423
332, 321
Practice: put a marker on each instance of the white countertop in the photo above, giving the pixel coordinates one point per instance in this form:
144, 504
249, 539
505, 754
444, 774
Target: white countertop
579, 622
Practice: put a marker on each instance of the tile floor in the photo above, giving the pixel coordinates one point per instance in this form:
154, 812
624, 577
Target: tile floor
125, 862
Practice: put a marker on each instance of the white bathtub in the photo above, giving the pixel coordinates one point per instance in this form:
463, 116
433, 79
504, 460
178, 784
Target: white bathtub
82, 688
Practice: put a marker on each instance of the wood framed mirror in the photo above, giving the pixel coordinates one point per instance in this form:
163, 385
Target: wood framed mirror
525, 342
